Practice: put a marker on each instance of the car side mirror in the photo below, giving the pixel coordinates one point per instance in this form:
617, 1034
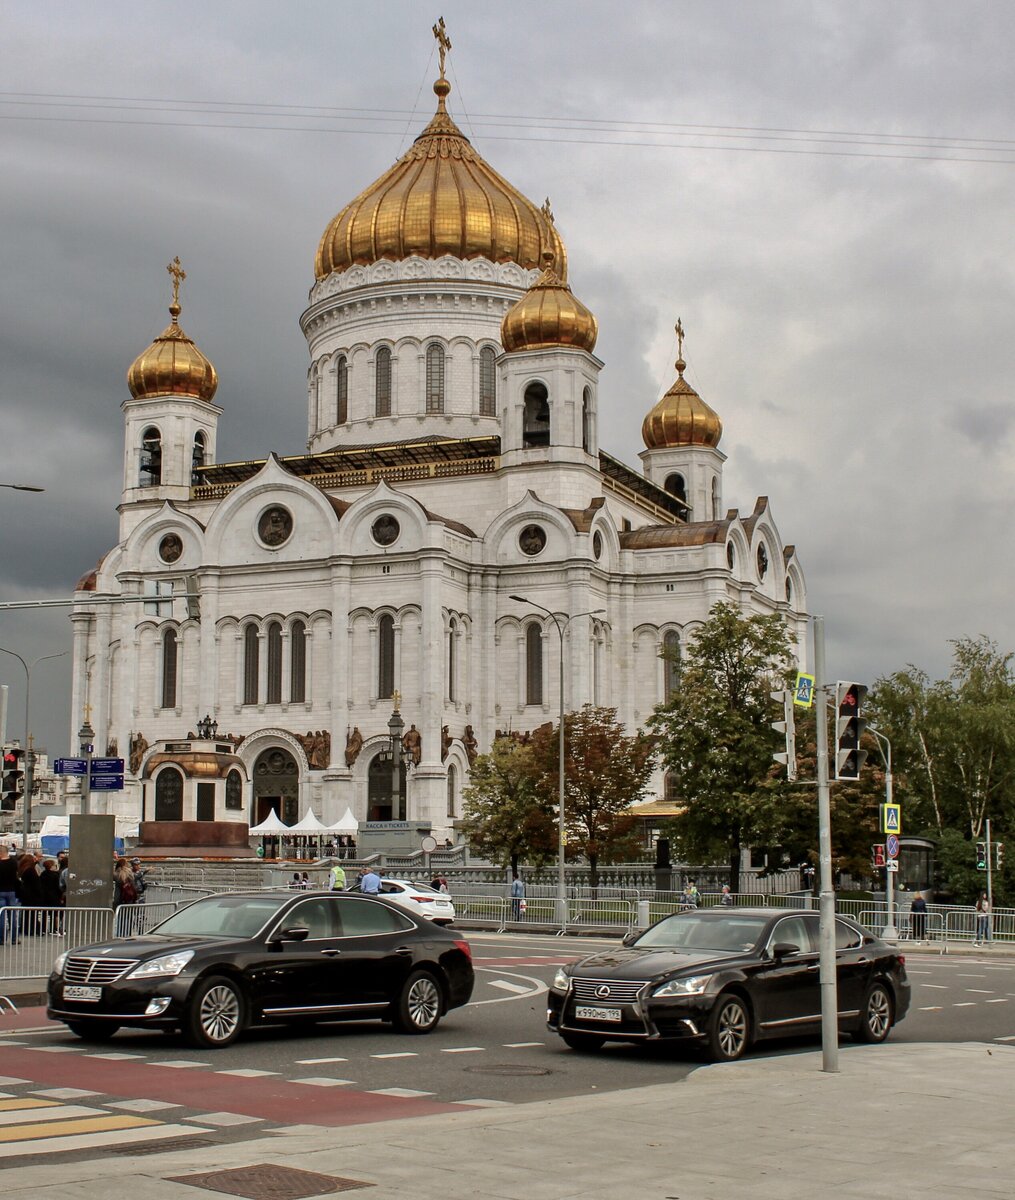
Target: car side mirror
784, 949
297, 933
631, 937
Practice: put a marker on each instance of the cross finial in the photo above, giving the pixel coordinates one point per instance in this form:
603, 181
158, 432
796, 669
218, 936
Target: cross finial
88, 713
396, 697
680, 338
179, 275
443, 42
547, 211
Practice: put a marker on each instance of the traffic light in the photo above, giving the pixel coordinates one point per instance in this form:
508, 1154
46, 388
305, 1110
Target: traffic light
786, 726
878, 859
13, 778
981, 856
849, 758
999, 855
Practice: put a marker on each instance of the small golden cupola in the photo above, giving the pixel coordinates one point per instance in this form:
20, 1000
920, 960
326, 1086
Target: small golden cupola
681, 418
172, 365
549, 315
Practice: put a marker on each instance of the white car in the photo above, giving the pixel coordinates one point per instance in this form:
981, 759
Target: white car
421, 898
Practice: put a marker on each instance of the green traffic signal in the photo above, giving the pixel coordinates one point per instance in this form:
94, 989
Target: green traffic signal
981, 856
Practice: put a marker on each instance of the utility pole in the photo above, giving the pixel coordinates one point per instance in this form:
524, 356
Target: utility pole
826, 919
86, 738
990, 874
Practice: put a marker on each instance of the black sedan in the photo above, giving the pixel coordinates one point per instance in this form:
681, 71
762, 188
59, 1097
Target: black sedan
230, 961
724, 978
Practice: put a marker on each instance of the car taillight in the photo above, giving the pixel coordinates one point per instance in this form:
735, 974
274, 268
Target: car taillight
465, 948
422, 899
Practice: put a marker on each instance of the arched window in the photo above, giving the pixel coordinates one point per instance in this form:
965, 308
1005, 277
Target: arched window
170, 655
315, 399
536, 422
385, 657
452, 653
676, 486
452, 788
151, 458
197, 457
342, 391
298, 662
169, 795
533, 664
487, 382
274, 663
597, 665
382, 383
251, 648
435, 379
715, 498
670, 790
671, 665
234, 791
586, 419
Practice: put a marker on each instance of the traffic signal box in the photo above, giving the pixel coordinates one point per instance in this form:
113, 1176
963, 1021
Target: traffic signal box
849, 758
981, 856
13, 778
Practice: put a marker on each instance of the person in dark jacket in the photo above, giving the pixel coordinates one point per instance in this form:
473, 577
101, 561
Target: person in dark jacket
8, 895
29, 893
49, 886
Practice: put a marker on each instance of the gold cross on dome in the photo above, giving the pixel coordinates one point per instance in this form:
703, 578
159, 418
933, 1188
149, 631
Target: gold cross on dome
443, 42
88, 713
680, 339
179, 275
547, 211
396, 699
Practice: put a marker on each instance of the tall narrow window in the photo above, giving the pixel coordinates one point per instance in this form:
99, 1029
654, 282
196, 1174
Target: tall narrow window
715, 498
234, 791
342, 391
536, 419
274, 663
452, 652
435, 379
382, 384
151, 458
533, 664
298, 662
671, 665
385, 657
452, 789
586, 419
197, 457
487, 382
251, 646
170, 654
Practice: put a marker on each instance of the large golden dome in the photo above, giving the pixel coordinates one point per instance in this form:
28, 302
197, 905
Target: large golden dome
681, 418
547, 316
172, 365
439, 198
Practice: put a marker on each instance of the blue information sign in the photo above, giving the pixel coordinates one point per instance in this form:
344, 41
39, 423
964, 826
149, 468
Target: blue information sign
107, 766
106, 783
69, 766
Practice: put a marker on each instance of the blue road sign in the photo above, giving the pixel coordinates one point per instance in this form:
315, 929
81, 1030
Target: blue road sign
891, 818
106, 783
803, 692
892, 845
69, 766
107, 766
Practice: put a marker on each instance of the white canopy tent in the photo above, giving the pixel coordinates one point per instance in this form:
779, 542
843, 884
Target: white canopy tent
309, 824
269, 826
346, 824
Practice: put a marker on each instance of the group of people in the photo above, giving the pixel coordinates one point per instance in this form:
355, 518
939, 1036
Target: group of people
129, 884
35, 882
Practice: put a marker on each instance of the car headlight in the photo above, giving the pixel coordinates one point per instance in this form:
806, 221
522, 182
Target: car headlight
168, 964
58, 965
690, 985
561, 981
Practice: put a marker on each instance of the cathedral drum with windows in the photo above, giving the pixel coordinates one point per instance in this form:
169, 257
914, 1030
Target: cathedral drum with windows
326, 607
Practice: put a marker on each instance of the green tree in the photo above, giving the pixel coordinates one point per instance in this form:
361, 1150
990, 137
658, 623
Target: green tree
715, 736
505, 818
605, 772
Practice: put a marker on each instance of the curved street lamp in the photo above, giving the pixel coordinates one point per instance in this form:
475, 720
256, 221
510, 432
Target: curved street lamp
22, 487
562, 623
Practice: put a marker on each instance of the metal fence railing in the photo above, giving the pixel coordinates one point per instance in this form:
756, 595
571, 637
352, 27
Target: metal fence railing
44, 933
133, 919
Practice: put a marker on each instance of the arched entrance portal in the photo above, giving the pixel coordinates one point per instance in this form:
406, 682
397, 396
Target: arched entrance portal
276, 786
379, 789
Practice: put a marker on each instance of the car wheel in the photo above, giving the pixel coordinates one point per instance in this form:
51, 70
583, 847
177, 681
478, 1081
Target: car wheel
215, 1013
729, 1029
587, 1042
90, 1030
418, 1008
877, 1012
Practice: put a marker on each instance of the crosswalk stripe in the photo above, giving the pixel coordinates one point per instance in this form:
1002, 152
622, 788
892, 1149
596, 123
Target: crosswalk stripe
77, 1125
88, 1141
50, 1111
18, 1102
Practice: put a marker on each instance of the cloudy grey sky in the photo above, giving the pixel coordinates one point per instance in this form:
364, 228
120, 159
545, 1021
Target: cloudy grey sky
822, 191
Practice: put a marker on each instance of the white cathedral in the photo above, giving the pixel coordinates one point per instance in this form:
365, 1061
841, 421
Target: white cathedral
400, 584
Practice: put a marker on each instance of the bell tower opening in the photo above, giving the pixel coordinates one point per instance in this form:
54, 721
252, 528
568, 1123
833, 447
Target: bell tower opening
536, 421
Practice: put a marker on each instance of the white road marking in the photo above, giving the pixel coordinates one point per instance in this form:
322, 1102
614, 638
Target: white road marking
313, 1062
1010, 1038
323, 1081
536, 987
401, 1093
972, 991
521, 1045
87, 1141
928, 1007
56, 1049
485, 1103
940, 987
248, 1072
141, 1105
58, 1112
462, 1049
5, 1042
225, 1118
999, 1000
964, 1004
115, 1057
401, 1054
518, 988
64, 1093
181, 1063
959, 974
10, 1081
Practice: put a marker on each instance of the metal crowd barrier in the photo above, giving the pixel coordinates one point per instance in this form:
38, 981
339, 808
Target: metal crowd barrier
44, 933
134, 919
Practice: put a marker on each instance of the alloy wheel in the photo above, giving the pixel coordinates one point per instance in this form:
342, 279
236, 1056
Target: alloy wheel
219, 1013
879, 1014
423, 1002
731, 1033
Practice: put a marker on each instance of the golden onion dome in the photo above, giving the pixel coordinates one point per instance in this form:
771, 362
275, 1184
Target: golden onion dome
439, 198
548, 315
172, 365
681, 418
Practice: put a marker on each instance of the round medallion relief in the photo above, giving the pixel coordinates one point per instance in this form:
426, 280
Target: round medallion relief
385, 530
171, 547
597, 544
275, 526
532, 539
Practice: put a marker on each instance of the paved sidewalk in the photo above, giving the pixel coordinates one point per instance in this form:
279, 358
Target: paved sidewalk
897, 1121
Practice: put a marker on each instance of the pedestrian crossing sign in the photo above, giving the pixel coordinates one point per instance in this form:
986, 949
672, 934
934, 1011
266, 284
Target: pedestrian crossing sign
803, 691
891, 818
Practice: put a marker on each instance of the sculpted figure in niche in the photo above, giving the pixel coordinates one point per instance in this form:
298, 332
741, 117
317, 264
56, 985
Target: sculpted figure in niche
112, 750
353, 745
138, 746
470, 744
275, 526
320, 753
412, 744
445, 742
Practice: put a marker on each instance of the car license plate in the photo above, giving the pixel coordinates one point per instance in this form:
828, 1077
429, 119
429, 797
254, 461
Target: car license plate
73, 992
588, 1012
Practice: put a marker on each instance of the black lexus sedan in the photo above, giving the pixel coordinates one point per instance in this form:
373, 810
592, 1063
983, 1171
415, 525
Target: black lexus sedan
233, 960
723, 978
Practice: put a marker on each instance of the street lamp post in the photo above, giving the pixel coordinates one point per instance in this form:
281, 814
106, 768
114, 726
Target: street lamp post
207, 729
890, 930
561, 625
29, 751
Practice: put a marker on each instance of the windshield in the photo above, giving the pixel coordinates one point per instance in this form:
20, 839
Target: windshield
222, 916
698, 931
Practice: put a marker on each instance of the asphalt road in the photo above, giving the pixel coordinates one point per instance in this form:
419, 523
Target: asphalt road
495, 1051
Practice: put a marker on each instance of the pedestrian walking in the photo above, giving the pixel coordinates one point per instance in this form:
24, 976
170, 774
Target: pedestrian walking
982, 921
337, 883
124, 888
49, 886
140, 881
8, 896
918, 918
517, 897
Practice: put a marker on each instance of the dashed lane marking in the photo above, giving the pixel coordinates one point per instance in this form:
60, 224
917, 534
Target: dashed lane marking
403, 1093
931, 1008
1009, 1038
521, 1045
462, 1049
939, 987
999, 1000
975, 991
399, 1054
964, 1004
313, 1062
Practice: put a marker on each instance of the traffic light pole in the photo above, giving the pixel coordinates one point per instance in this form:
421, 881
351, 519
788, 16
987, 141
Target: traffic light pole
990, 873
826, 902
890, 931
